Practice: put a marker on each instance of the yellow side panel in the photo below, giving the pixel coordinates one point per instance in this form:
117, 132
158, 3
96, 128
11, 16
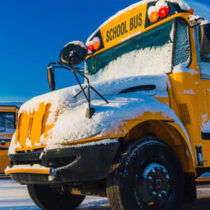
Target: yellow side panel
31, 126
23, 128
4, 160
36, 127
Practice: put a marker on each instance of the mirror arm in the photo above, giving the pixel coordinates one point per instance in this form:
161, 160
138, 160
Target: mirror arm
89, 86
90, 110
53, 64
82, 89
196, 21
50, 77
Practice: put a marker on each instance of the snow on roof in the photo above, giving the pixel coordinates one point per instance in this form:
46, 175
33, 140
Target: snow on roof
200, 9
7, 107
10, 104
183, 5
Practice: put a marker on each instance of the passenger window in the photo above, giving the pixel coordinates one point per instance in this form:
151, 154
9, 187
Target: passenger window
182, 43
204, 40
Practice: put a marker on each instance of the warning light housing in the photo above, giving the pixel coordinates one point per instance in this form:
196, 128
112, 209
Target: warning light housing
160, 10
163, 11
191, 11
153, 14
90, 47
94, 45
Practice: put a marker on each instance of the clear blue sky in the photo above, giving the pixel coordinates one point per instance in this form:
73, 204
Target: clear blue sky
33, 33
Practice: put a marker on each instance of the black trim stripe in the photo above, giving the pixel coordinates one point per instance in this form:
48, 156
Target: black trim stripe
4, 148
6, 140
205, 136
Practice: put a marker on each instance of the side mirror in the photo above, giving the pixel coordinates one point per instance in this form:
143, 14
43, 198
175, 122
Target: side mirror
51, 77
73, 53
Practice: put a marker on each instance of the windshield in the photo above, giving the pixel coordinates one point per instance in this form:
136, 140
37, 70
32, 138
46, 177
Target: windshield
7, 122
147, 54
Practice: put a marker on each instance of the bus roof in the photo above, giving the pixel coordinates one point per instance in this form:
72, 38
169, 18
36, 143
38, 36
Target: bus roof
10, 105
182, 5
132, 20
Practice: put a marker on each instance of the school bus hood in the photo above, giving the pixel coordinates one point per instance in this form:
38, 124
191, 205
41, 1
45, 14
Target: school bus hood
57, 117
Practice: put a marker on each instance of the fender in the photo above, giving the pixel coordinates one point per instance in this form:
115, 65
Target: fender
167, 122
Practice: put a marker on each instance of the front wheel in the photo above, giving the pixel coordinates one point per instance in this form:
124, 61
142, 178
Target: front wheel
146, 176
48, 198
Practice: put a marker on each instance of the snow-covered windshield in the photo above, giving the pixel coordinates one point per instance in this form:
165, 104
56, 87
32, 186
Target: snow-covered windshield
148, 54
7, 122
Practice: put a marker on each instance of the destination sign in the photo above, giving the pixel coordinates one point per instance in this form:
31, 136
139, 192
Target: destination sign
123, 26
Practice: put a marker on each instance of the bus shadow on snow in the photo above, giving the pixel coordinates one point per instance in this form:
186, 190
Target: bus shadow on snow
200, 204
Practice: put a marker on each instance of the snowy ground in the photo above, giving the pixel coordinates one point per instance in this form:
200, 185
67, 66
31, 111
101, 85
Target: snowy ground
15, 197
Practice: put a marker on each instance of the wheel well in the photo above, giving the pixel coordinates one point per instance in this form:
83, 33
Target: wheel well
167, 133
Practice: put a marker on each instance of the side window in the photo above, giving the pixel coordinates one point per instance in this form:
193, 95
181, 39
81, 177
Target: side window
7, 121
197, 45
203, 34
182, 43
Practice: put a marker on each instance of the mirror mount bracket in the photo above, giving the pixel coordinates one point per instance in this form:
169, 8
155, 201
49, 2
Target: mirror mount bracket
76, 71
71, 55
194, 21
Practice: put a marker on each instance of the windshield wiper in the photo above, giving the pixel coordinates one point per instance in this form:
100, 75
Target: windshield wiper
77, 71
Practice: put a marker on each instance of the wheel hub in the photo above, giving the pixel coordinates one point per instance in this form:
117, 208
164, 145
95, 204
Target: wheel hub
156, 184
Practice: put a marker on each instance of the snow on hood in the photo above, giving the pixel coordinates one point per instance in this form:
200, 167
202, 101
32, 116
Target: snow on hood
72, 123
110, 87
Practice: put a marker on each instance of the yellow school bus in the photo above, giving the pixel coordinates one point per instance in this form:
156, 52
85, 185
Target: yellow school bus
137, 130
8, 117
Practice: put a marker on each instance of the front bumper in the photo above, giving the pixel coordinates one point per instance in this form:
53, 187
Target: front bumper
82, 162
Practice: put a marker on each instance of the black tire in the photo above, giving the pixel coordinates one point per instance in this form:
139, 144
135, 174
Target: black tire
48, 198
146, 176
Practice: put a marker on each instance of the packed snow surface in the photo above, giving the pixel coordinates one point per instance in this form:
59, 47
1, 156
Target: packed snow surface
14, 196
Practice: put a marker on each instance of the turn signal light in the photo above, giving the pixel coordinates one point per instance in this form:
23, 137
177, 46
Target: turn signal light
191, 11
90, 48
94, 45
154, 17
161, 9
163, 12
153, 14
